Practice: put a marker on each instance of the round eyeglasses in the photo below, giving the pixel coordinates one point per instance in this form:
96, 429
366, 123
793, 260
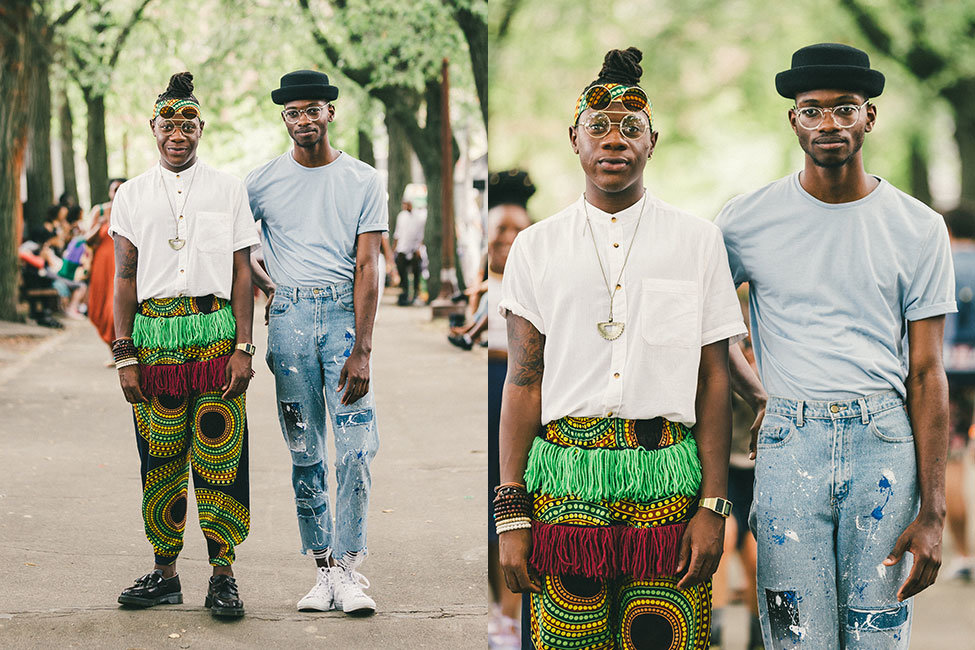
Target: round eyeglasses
292, 115
168, 126
632, 126
844, 115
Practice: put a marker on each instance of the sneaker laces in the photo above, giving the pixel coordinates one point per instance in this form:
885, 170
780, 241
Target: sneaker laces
353, 578
322, 584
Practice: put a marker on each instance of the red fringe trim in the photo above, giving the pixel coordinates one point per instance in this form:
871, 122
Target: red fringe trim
606, 551
181, 379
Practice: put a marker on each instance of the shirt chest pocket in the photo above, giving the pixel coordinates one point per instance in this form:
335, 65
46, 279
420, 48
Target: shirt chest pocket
669, 313
213, 232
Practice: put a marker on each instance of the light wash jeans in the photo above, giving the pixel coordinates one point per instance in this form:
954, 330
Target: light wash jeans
311, 332
835, 486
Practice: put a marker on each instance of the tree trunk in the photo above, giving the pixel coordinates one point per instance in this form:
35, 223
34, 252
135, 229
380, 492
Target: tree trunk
366, 153
97, 155
965, 137
67, 146
40, 185
430, 160
920, 189
15, 88
398, 168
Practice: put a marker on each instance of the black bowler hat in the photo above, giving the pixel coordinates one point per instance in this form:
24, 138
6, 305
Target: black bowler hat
827, 66
304, 84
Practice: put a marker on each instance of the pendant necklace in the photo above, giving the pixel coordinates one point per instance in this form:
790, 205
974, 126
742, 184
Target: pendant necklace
176, 242
612, 329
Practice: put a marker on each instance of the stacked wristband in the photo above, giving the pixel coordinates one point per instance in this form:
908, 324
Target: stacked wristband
512, 507
124, 352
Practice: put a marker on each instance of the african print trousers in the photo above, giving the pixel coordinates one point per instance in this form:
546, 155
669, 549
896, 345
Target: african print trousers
183, 346
612, 498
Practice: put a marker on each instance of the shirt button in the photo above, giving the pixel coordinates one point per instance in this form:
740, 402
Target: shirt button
610, 414
179, 191
616, 245
179, 295
616, 374
180, 216
619, 286
181, 270
834, 408
614, 219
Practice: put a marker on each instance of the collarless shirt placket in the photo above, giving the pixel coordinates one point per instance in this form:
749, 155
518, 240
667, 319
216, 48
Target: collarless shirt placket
614, 249
177, 194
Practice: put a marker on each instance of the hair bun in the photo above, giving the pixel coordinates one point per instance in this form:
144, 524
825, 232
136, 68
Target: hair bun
180, 85
622, 67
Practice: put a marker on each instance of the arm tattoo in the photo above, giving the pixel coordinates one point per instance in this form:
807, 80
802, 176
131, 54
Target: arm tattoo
126, 259
526, 348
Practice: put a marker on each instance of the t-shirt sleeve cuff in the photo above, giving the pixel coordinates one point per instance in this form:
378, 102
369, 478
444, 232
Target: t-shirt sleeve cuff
375, 227
920, 313
734, 332
511, 307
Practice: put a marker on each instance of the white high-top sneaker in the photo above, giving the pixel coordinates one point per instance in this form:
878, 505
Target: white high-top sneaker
347, 584
319, 599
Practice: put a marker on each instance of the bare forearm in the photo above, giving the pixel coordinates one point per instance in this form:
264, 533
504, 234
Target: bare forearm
927, 403
713, 428
744, 381
124, 305
366, 299
259, 276
521, 414
242, 298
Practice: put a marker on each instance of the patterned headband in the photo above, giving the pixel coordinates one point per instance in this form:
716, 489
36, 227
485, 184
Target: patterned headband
601, 96
177, 105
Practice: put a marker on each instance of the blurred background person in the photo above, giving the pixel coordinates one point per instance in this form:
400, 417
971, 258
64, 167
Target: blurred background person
408, 242
960, 366
101, 276
508, 194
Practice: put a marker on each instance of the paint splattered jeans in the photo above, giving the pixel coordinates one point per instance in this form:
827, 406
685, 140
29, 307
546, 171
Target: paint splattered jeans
310, 335
835, 486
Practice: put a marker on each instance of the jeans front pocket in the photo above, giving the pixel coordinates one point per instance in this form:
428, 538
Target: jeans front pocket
775, 433
279, 305
669, 314
892, 425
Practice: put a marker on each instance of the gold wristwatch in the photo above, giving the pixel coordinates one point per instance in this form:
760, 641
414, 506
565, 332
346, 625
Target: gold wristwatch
249, 348
717, 504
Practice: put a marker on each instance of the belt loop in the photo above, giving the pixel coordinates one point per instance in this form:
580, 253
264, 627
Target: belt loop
294, 294
864, 416
799, 419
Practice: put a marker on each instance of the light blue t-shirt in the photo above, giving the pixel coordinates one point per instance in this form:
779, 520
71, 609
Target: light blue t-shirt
832, 286
310, 217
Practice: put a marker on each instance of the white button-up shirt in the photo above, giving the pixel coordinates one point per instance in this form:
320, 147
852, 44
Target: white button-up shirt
206, 208
675, 296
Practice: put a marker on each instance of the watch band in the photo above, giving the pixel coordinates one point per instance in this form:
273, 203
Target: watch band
249, 348
718, 505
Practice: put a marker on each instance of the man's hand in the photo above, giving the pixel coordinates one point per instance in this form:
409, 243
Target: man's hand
923, 539
129, 377
514, 549
238, 375
756, 426
267, 305
701, 547
354, 377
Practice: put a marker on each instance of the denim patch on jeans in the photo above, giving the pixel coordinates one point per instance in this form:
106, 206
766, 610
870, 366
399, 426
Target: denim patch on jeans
835, 486
311, 332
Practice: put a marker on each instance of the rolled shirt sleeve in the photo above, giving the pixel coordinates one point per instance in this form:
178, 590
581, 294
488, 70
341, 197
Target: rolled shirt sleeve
721, 317
374, 216
518, 294
121, 217
245, 230
932, 289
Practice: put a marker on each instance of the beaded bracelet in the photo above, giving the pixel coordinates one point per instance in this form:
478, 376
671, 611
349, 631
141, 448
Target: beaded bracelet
124, 363
513, 524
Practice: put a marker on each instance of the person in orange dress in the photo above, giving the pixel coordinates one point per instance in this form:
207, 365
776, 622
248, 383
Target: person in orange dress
102, 275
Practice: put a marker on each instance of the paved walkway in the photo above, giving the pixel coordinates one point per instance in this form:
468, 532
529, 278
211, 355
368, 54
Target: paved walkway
71, 534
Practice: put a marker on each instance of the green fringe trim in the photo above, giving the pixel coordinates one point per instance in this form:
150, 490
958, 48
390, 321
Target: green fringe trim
183, 331
614, 474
